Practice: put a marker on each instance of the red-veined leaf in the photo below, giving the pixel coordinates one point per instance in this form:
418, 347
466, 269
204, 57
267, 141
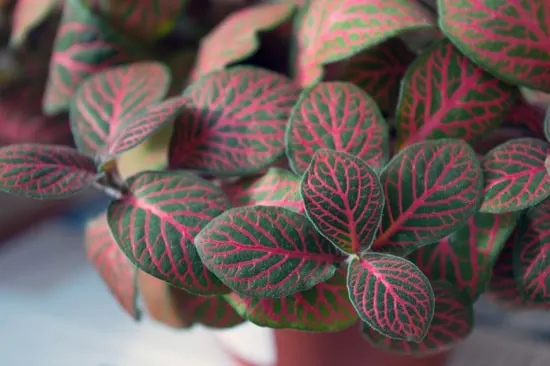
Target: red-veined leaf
235, 123
264, 251
84, 45
391, 295
337, 116
444, 94
156, 222
325, 307
333, 30
44, 171
431, 189
118, 273
466, 257
236, 37
277, 187
528, 116
514, 175
452, 323
343, 199
508, 38
108, 100
28, 14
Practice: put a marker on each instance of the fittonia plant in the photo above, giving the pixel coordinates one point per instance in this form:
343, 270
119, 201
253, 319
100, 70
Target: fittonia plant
378, 182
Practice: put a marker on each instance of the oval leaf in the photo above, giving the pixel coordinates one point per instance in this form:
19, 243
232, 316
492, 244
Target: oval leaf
265, 251
108, 100
277, 187
452, 323
118, 273
27, 15
44, 171
444, 94
391, 295
235, 123
333, 30
156, 223
236, 37
324, 308
336, 116
508, 38
514, 175
431, 189
343, 199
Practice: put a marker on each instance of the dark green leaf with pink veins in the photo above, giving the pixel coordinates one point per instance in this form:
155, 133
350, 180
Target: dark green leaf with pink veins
337, 116
532, 253
431, 189
391, 295
266, 251
84, 45
235, 123
333, 30
514, 175
44, 171
155, 225
343, 198
325, 307
277, 187
444, 94
108, 101
508, 38
452, 323
466, 257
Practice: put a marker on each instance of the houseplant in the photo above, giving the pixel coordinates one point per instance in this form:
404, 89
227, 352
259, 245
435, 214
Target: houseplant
377, 183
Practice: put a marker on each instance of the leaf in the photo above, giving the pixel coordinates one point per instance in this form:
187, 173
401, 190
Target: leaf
514, 175
508, 38
343, 199
277, 187
235, 123
452, 323
27, 15
236, 37
44, 171
109, 100
466, 257
324, 308
265, 251
118, 273
431, 189
333, 30
527, 116
444, 94
391, 295
156, 223
84, 45
532, 254
377, 71
336, 116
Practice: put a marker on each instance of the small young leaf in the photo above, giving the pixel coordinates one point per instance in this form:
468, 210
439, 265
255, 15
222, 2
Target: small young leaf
444, 94
452, 323
108, 100
156, 222
236, 37
343, 199
44, 171
508, 38
277, 187
235, 123
337, 116
391, 295
514, 175
27, 15
266, 251
333, 30
118, 273
431, 189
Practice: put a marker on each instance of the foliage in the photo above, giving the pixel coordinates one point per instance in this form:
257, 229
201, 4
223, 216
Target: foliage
360, 183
